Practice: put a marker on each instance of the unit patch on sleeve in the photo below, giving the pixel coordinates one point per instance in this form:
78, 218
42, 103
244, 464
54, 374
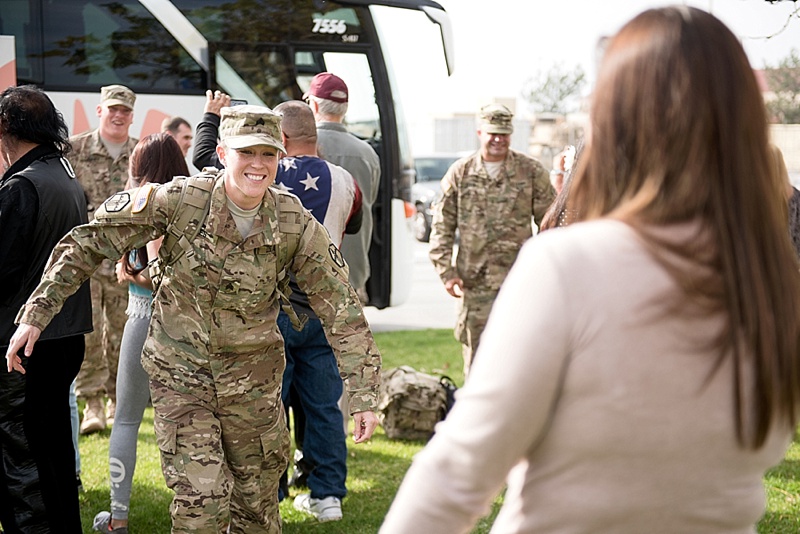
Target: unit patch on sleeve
142, 197
118, 202
336, 255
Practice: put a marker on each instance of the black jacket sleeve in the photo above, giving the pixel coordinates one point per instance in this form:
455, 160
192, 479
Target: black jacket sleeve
205, 142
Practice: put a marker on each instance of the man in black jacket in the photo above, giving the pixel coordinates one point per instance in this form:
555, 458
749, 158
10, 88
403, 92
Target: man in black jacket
207, 131
40, 201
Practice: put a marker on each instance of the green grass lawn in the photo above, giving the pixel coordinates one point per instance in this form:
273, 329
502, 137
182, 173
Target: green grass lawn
375, 468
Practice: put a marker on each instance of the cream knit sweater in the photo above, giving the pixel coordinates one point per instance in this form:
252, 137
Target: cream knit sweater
592, 405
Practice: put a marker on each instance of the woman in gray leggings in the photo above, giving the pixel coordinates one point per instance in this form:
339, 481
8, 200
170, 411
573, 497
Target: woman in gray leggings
157, 158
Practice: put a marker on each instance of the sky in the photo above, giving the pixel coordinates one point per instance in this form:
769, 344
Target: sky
501, 44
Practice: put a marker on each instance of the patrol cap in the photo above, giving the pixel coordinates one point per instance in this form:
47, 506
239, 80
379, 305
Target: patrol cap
117, 95
496, 118
328, 86
248, 125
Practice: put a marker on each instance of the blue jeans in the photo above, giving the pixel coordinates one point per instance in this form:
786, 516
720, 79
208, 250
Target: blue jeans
311, 368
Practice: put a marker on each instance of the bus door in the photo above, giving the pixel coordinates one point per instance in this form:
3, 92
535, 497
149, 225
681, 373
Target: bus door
267, 74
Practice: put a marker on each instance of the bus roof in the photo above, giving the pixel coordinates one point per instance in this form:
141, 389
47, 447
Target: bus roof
406, 4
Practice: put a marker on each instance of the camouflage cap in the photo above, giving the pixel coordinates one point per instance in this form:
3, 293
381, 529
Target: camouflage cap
496, 118
117, 95
245, 126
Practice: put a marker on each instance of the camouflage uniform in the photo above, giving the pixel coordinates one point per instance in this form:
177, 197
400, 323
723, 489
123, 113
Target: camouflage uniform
493, 217
101, 176
214, 353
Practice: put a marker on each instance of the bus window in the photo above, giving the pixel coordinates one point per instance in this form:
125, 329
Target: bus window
363, 117
259, 73
275, 21
96, 42
248, 21
21, 19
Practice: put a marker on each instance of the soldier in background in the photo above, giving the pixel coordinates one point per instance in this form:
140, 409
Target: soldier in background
100, 159
214, 354
180, 129
489, 198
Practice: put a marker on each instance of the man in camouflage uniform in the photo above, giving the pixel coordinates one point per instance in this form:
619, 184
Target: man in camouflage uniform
489, 198
100, 160
214, 353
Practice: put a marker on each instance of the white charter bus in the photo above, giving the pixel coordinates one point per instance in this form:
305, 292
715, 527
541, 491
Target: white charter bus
264, 51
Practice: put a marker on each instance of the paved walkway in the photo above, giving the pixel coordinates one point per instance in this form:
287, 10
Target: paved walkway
428, 306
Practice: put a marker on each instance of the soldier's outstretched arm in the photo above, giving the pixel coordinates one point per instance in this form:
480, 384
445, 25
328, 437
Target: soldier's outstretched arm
322, 273
125, 221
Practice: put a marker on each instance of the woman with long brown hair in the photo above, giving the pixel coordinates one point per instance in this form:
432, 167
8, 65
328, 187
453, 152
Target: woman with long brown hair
644, 368
156, 159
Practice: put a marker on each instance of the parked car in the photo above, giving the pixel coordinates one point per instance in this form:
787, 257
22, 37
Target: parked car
430, 170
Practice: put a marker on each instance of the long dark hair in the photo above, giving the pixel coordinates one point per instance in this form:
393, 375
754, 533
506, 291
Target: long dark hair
679, 135
27, 114
155, 159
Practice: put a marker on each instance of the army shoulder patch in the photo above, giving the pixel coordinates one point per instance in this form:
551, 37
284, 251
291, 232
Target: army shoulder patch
336, 255
142, 197
117, 202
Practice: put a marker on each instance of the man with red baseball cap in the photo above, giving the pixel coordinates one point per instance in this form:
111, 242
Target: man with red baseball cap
328, 86
328, 97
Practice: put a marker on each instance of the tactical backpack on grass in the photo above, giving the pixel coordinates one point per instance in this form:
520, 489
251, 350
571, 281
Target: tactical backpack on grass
411, 402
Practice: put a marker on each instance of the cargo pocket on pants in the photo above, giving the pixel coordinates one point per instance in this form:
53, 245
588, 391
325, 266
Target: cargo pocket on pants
275, 446
167, 442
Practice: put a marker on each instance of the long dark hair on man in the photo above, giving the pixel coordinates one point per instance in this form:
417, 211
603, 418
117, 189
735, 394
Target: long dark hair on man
679, 135
28, 114
156, 159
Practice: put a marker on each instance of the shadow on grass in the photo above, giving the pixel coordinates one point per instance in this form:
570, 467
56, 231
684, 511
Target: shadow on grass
375, 471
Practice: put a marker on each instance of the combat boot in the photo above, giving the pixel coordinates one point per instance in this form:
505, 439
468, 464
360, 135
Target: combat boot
94, 416
111, 411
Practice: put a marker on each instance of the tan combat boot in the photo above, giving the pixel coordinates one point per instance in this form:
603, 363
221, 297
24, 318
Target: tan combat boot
111, 411
94, 416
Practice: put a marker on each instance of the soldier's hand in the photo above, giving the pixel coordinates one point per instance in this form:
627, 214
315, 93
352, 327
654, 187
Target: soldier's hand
366, 423
25, 336
455, 286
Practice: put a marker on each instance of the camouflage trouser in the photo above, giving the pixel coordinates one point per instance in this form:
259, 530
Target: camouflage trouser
223, 459
472, 317
98, 373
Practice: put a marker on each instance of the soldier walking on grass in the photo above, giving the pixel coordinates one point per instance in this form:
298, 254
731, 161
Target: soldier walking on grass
100, 159
489, 198
214, 354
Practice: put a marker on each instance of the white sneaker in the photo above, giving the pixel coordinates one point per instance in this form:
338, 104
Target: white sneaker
102, 523
327, 509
